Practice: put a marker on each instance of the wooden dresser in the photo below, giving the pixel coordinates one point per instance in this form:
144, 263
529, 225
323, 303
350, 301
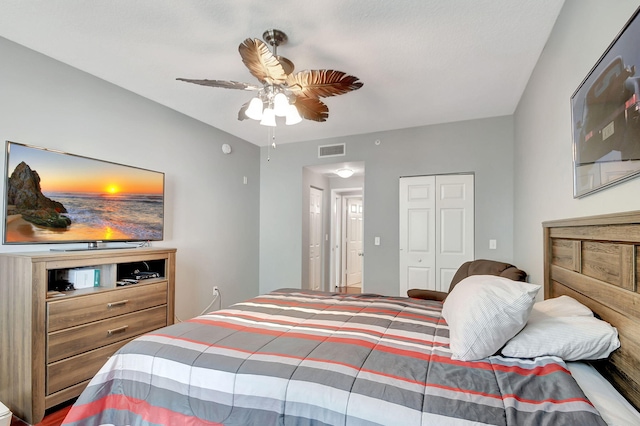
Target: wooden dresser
51, 346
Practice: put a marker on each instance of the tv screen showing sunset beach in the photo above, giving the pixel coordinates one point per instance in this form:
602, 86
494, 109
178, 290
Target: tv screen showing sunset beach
55, 197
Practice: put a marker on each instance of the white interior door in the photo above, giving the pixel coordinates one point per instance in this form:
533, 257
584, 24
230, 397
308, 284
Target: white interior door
436, 229
315, 238
354, 241
336, 241
417, 233
455, 226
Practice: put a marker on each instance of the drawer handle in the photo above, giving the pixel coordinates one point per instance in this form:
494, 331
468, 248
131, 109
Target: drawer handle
120, 303
117, 330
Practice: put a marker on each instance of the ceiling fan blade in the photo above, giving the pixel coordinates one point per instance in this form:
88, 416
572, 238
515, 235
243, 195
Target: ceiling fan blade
322, 83
222, 83
312, 108
262, 64
287, 65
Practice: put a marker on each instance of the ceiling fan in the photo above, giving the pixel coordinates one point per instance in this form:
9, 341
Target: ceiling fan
283, 93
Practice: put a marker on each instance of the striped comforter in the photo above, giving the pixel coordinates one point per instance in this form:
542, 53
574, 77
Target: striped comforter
300, 357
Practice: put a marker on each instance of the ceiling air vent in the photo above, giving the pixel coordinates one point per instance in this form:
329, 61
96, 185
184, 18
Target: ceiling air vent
337, 150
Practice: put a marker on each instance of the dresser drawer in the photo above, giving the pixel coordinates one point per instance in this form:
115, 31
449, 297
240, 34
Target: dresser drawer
74, 370
73, 341
78, 310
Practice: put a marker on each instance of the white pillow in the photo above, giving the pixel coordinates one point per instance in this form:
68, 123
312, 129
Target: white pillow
570, 338
562, 306
566, 328
483, 312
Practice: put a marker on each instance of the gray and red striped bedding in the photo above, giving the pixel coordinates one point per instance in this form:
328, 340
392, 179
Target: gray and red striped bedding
295, 357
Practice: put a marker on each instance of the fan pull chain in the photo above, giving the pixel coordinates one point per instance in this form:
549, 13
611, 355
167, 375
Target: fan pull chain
273, 137
271, 141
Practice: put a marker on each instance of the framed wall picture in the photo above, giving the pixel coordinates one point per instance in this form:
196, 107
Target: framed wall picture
605, 112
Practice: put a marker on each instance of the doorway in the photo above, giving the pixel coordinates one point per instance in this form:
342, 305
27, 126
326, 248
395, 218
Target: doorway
332, 228
347, 241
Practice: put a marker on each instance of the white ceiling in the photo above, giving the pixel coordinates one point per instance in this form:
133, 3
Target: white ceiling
421, 61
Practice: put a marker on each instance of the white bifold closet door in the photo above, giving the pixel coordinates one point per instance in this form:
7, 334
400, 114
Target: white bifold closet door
436, 229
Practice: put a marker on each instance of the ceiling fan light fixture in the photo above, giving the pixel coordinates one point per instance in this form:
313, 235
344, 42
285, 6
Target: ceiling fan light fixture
344, 173
254, 111
293, 116
294, 96
280, 104
268, 117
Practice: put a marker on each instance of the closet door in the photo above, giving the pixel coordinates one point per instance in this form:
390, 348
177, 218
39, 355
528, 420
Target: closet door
455, 226
417, 233
436, 229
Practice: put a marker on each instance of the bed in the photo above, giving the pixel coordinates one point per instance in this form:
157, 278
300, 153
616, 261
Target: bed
303, 357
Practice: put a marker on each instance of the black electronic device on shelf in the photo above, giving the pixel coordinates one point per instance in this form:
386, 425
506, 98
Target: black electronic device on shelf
139, 271
143, 275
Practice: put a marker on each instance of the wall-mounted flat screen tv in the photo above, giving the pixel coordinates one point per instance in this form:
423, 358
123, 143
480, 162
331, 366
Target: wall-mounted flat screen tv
57, 197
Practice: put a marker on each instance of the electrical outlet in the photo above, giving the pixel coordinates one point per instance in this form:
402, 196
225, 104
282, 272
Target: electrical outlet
215, 290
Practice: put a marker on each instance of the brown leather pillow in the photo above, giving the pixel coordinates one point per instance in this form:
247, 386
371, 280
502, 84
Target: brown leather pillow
419, 293
473, 267
487, 267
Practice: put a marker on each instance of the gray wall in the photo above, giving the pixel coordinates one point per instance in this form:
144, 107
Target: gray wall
543, 151
211, 217
484, 147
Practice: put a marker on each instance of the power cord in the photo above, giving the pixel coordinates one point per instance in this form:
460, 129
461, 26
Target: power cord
216, 295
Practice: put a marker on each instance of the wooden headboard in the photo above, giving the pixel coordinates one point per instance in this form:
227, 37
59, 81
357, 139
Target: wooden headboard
596, 261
